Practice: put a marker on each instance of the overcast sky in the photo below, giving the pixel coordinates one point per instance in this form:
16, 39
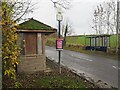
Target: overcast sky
79, 15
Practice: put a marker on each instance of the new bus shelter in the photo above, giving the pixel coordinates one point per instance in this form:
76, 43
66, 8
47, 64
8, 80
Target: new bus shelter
97, 42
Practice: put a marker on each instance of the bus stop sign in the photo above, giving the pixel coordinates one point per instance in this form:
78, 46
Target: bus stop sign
59, 44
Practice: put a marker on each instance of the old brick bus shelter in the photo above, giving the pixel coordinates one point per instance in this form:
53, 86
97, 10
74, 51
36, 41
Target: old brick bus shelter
32, 39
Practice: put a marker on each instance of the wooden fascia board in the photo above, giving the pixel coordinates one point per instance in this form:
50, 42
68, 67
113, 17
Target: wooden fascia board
36, 31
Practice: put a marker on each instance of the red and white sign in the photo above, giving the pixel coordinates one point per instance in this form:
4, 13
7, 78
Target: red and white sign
59, 44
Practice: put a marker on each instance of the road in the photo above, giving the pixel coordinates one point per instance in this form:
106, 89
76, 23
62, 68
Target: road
96, 67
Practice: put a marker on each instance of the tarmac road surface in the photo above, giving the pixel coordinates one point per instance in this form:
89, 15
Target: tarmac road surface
96, 67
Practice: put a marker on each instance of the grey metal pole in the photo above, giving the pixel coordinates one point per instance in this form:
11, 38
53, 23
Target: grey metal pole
117, 27
58, 28
59, 52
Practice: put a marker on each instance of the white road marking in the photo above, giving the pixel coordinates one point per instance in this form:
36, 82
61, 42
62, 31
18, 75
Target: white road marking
115, 67
82, 58
89, 59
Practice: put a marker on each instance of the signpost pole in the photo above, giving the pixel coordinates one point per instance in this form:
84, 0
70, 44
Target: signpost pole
117, 28
59, 41
59, 52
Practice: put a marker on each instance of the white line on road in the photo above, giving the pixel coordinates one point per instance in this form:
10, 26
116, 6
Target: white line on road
89, 59
115, 67
82, 58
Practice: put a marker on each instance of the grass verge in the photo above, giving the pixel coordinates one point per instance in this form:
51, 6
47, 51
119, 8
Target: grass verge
50, 79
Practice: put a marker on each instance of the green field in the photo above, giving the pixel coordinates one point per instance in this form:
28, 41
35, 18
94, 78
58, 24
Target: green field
113, 41
80, 40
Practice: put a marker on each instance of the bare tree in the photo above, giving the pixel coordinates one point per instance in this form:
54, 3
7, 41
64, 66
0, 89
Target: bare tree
101, 19
61, 3
20, 8
105, 18
110, 16
66, 31
95, 21
98, 19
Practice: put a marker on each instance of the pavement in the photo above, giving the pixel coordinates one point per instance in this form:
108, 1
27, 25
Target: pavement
98, 68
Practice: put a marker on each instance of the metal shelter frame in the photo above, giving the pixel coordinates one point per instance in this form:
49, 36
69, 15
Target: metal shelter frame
97, 42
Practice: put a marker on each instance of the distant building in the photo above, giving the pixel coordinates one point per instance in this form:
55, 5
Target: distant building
32, 39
